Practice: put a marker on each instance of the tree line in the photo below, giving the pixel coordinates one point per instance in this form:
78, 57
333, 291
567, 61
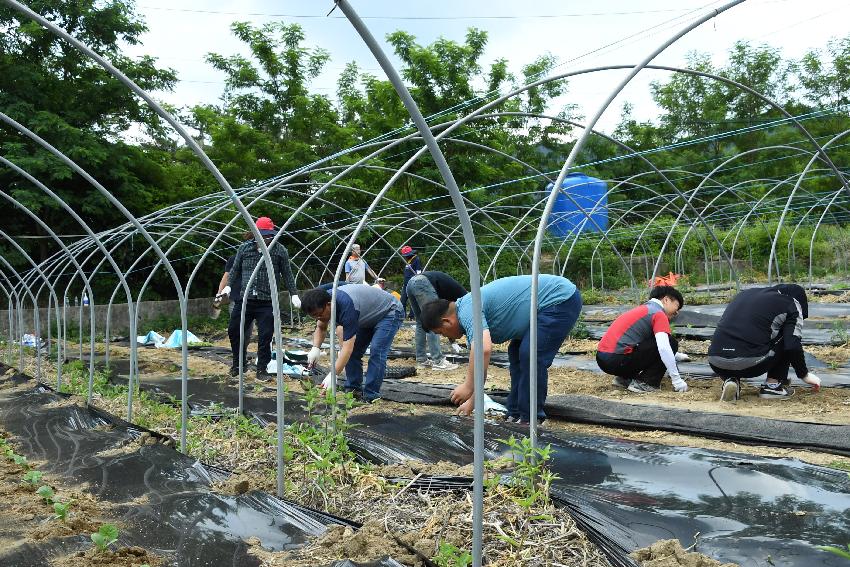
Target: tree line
268, 120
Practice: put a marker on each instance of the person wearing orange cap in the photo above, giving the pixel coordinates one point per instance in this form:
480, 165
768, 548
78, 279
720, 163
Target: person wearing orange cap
412, 267
259, 304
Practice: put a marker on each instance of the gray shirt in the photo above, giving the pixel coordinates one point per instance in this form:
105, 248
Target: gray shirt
362, 307
356, 270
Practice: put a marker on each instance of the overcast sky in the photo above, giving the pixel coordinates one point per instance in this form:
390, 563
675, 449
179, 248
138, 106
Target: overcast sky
580, 34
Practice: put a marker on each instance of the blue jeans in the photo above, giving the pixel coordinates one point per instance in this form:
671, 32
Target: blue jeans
553, 325
420, 291
378, 341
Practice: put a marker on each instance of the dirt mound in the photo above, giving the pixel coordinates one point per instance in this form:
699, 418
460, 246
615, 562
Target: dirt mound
669, 553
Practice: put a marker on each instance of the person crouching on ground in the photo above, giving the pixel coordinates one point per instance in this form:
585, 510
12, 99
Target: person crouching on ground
760, 332
639, 346
506, 306
370, 318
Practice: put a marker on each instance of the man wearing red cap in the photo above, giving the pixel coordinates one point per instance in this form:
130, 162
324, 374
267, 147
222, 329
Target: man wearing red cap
259, 303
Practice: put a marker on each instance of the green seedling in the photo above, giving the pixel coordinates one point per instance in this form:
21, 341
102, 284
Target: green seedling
452, 556
104, 537
46, 493
836, 550
61, 510
33, 477
21, 461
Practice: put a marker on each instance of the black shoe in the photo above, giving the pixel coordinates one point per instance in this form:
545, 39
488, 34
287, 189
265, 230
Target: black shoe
774, 392
265, 376
234, 371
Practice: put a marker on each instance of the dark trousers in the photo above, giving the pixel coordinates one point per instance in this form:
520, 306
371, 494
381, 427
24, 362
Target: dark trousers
775, 366
553, 325
261, 312
643, 363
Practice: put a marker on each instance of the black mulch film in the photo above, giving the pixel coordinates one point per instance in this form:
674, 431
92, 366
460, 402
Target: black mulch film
625, 495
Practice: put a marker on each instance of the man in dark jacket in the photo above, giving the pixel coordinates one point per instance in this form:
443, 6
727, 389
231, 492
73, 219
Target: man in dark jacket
259, 305
761, 332
423, 289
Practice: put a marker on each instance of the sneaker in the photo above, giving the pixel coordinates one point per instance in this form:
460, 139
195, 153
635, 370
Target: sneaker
424, 364
265, 376
774, 392
525, 422
639, 387
234, 371
512, 419
444, 365
731, 390
620, 382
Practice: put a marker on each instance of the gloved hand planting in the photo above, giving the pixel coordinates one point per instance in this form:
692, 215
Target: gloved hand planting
296, 301
813, 380
313, 355
679, 385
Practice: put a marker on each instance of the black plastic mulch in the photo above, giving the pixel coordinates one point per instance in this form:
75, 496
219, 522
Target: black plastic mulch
628, 495
180, 518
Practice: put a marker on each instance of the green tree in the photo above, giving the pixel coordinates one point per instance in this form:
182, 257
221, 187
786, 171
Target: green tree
52, 88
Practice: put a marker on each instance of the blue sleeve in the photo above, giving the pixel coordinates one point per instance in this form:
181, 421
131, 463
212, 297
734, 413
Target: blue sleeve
348, 266
347, 316
464, 317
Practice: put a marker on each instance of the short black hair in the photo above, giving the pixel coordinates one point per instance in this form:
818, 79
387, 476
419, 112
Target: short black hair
314, 300
662, 291
432, 313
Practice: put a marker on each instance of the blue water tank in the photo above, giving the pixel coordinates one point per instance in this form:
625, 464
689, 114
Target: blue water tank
586, 192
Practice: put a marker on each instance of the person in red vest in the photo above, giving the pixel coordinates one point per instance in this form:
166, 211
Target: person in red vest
639, 346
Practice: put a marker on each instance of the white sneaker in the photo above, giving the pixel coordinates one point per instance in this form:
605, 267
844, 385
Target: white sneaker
425, 364
444, 365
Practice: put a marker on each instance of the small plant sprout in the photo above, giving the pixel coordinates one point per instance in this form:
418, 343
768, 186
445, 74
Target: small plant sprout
21, 461
46, 493
61, 510
104, 537
451, 556
33, 477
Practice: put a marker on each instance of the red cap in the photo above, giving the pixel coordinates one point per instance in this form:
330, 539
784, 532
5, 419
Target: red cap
265, 226
406, 251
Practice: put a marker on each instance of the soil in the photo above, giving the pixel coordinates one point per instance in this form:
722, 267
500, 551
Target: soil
669, 553
121, 557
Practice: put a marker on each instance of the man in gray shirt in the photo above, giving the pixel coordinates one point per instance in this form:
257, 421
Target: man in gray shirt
370, 319
356, 267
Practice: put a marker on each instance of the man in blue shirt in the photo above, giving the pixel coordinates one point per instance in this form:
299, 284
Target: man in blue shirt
506, 307
369, 318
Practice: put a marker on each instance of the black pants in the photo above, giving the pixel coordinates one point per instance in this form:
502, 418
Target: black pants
261, 312
643, 363
775, 366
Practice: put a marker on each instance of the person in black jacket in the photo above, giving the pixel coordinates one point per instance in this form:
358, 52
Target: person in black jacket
761, 332
421, 289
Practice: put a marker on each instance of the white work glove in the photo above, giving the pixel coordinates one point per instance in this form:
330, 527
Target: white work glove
313, 355
225, 290
296, 301
456, 348
679, 385
682, 357
813, 380
326, 383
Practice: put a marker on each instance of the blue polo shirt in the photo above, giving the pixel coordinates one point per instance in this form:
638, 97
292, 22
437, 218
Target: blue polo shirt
506, 304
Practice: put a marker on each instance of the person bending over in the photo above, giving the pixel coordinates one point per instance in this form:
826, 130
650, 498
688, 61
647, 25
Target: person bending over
370, 318
506, 316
